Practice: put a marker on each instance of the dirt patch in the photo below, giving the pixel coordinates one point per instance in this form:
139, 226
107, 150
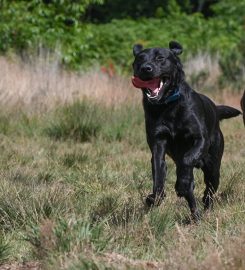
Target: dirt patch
21, 266
122, 262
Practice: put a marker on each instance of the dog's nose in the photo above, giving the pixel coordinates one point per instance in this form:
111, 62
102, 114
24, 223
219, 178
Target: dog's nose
146, 68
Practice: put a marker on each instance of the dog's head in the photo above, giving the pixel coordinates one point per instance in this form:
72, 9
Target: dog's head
157, 70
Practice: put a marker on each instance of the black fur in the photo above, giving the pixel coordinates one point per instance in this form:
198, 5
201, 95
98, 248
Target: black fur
225, 112
243, 106
186, 129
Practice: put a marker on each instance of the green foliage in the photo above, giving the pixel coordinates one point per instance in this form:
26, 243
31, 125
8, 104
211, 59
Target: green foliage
231, 10
161, 221
114, 41
67, 233
136, 9
80, 121
233, 69
4, 250
119, 124
86, 120
20, 122
19, 208
59, 25
4, 124
62, 236
232, 66
27, 24
71, 159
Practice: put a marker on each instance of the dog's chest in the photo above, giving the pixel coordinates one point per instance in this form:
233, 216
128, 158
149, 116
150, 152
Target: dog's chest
171, 129
169, 124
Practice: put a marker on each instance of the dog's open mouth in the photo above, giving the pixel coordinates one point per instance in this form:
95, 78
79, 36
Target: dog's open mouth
153, 87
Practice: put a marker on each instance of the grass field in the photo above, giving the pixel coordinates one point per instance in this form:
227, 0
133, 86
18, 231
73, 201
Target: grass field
75, 169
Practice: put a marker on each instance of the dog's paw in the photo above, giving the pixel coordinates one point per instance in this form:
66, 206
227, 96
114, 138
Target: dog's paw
150, 200
196, 216
153, 200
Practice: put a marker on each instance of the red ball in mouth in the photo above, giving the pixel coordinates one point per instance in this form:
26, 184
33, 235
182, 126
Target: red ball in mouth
154, 85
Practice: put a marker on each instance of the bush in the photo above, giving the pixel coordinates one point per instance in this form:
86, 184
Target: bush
82, 45
18, 122
4, 124
64, 236
114, 41
233, 69
80, 121
4, 250
85, 120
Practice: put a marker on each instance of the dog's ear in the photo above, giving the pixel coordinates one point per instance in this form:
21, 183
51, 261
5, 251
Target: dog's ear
175, 47
137, 49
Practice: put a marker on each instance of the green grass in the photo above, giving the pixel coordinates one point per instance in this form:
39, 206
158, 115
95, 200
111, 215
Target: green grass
4, 250
73, 183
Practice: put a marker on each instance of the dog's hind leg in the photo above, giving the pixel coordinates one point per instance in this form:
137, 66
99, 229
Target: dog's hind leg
211, 169
185, 188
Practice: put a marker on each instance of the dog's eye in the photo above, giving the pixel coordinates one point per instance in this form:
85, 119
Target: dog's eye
160, 58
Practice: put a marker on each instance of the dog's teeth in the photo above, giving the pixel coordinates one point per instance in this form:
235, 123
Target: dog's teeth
154, 94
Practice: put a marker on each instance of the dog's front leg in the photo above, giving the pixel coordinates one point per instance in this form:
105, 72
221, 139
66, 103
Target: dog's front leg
195, 154
159, 169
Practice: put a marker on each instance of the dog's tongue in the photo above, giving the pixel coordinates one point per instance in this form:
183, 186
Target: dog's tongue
153, 84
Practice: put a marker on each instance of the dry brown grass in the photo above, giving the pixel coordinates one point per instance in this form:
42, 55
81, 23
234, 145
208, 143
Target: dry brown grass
42, 84
203, 62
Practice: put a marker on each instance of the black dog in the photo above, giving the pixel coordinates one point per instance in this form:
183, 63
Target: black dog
243, 106
179, 122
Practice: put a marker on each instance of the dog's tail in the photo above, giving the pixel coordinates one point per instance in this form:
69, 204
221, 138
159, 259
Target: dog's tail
225, 112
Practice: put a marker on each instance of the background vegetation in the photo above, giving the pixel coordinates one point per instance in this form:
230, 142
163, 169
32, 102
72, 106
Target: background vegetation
103, 32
